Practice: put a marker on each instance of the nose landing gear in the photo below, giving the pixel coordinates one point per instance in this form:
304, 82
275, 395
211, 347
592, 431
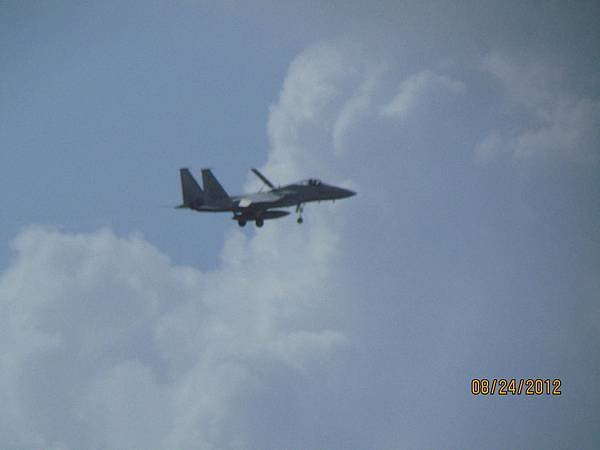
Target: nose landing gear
299, 209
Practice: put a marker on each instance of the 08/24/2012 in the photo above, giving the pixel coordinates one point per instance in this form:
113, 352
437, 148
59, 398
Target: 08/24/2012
512, 386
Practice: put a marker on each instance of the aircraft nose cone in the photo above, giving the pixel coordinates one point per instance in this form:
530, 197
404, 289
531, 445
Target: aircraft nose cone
347, 193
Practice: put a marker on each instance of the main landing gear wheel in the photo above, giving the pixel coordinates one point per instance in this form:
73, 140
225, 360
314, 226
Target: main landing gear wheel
241, 222
260, 222
300, 220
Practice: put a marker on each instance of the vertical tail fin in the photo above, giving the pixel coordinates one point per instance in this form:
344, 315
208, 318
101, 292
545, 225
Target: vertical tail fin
191, 191
213, 189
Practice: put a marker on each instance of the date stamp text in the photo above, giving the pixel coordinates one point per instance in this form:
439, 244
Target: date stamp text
513, 386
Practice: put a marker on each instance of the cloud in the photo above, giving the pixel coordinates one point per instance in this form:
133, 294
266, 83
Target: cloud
425, 84
489, 148
106, 344
360, 329
321, 98
570, 130
555, 123
442, 268
357, 107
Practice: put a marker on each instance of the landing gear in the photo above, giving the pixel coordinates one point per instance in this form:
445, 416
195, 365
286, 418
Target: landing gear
299, 209
260, 222
242, 222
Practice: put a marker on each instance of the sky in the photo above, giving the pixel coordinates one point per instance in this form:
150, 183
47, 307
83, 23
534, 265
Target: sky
470, 132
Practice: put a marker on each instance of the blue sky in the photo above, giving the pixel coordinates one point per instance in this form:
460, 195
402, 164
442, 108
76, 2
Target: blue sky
470, 131
102, 104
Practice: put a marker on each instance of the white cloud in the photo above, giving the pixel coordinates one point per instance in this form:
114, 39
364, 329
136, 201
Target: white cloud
122, 349
349, 330
310, 91
322, 96
418, 86
557, 124
489, 148
353, 110
570, 129
528, 84
105, 334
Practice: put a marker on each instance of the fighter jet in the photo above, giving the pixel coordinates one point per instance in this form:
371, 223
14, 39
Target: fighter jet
258, 206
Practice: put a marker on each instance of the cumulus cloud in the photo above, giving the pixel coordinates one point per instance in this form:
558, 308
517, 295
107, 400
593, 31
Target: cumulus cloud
106, 344
354, 109
425, 84
441, 265
555, 123
321, 98
489, 148
360, 329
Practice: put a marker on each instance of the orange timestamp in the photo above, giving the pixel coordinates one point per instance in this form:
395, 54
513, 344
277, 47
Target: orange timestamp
512, 386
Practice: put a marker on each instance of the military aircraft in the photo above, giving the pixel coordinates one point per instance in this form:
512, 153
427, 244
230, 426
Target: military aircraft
257, 206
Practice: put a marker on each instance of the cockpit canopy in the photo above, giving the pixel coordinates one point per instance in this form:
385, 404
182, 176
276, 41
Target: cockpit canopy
311, 182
